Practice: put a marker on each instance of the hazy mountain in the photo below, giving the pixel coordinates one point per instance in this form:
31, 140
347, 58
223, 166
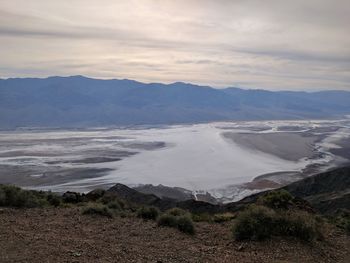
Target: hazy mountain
79, 101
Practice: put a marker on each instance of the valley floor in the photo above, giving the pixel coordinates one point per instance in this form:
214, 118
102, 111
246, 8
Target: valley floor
64, 235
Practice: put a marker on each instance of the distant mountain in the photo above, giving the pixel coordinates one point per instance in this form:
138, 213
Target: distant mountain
78, 101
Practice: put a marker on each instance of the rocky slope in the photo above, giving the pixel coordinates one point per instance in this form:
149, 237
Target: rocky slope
65, 235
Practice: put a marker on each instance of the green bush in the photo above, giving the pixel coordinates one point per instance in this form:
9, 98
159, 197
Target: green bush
185, 224
72, 197
2, 197
97, 209
122, 204
259, 223
220, 218
11, 194
149, 212
94, 195
114, 205
14, 196
278, 199
298, 224
255, 223
108, 198
176, 211
167, 220
202, 217
347, 226
54, 199
31, 199
341, 219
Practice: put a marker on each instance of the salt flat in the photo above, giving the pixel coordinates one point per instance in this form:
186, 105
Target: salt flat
214, 157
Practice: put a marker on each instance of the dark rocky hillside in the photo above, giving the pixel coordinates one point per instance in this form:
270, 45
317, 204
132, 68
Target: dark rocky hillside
327, 192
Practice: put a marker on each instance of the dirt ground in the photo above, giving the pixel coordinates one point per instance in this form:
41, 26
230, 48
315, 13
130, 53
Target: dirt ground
64, 235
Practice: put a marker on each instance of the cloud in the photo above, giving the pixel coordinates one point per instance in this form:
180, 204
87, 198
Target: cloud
266, 44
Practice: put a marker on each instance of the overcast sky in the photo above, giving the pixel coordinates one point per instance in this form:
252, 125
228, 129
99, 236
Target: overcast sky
277, 45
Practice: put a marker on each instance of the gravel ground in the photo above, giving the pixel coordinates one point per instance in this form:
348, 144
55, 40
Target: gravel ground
64, 235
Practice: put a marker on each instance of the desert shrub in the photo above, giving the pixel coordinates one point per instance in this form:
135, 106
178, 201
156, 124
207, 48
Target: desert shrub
278, 199
255, 223
341, 219
185, 224
95, 194
16, 197
54, 199
176, 211
72, 197
109, 197
258, 223
114, 205
298, 224
149, 212
2, 197
31, 199
347, 226
97, 209
167, 220
11, 194
202, 217
219, 218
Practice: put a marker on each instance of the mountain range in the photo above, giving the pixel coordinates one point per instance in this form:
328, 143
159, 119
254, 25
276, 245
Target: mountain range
78, 101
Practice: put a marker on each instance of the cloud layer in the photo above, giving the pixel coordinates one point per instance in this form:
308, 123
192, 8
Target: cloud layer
295, 45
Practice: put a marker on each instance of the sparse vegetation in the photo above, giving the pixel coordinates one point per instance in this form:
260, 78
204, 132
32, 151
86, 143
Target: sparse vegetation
255, 223
167, 220
2, 197
177, 218
148, 213
96, 194
17, 197
278, 199
176, 211
275, 215
220, 218
185, 224
259, 223
54, 199
202, 217
299, 224
72, 197
97, 209
114, 205
347, 226
342, 220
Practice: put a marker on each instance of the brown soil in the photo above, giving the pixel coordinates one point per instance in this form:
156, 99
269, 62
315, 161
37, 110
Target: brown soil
64, 235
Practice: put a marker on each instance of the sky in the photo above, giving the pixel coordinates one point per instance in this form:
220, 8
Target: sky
270, 44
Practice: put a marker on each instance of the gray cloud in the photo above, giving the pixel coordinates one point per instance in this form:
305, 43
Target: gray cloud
266, 44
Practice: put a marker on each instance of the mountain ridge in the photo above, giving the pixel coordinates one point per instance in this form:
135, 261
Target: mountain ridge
78, 101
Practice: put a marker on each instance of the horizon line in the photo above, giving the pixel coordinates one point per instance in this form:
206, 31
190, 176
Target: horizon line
176, 82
